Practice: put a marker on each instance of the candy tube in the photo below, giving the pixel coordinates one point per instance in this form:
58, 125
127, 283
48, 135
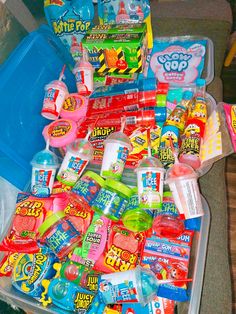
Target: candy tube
191, 142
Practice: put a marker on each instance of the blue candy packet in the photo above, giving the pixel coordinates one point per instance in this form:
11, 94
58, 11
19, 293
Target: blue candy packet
69, 20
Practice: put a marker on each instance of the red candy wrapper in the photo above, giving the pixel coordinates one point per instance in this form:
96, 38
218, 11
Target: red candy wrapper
79, 215
29, 215
122, 250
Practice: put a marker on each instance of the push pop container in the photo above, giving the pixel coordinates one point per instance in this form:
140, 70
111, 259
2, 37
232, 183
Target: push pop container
35, 51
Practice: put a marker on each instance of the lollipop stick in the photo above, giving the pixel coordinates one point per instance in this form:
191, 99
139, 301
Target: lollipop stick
149, 142
123, 122
174, 151
47, 144
62, 73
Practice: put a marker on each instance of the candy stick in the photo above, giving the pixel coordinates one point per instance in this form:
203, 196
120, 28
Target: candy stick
62, 73
149, 142
164, 281
123, 122
174, 151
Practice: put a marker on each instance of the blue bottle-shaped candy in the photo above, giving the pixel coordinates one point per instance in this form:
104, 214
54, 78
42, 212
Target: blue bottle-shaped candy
44, 166
69, 19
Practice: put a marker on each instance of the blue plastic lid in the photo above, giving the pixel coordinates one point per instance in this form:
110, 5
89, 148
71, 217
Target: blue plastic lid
160, 114
45, 158
187, 95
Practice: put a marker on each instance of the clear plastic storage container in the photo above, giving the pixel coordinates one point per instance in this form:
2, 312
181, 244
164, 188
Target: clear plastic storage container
35, 62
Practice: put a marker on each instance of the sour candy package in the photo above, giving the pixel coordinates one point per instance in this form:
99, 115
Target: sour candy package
70, 19
180, 60
29, 215
131, 11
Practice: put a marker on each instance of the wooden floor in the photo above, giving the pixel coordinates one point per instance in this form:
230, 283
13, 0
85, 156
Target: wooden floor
231, 193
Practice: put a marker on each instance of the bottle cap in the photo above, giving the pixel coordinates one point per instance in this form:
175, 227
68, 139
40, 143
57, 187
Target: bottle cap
45, 159
160, 114
95, 177
119, 186
50, 221
137, 220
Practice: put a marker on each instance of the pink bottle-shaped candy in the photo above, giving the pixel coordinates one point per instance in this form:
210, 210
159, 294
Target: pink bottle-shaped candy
55, 95
83, 72
122, 15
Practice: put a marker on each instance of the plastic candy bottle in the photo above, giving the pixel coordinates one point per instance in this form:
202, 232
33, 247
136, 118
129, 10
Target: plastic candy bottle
117, 148
44, 165
78, 154
55, 95
194, 130
136, 285
83, 72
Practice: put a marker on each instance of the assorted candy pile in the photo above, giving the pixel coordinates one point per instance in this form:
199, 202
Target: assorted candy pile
84, 238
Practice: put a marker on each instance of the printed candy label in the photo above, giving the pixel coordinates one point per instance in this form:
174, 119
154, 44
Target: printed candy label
110, 203
114, 159
179, 62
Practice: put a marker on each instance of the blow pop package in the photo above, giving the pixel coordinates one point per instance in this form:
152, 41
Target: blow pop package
132, 11
181, 60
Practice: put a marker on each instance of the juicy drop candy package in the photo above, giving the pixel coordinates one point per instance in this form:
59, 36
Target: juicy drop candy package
69, 19
181, 60
131, 11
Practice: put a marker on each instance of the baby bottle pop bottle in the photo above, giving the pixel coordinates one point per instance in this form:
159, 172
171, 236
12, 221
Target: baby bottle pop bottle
117, 148
182, 180
44, 168
55, 95
136, 285
78, 154
150, 179
83, 72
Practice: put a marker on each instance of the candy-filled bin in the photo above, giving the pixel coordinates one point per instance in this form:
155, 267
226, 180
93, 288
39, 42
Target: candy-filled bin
17, 149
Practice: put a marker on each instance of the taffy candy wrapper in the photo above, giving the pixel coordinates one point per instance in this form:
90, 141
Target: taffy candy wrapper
30, 213
122, 250
59, 187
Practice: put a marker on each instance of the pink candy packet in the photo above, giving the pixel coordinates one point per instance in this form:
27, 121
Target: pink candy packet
230, 114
